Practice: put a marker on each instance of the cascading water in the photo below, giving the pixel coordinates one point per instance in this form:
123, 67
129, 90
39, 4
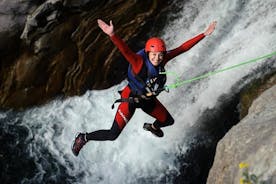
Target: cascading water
245, 29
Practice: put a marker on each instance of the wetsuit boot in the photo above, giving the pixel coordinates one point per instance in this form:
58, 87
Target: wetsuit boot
79, 142
157, 131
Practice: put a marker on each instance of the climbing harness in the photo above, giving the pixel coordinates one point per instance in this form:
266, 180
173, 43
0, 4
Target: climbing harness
138, 98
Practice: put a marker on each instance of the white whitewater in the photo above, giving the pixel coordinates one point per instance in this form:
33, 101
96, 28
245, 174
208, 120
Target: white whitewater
245, 30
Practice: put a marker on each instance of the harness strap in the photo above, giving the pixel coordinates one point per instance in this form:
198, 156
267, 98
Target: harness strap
129, 100
137, 98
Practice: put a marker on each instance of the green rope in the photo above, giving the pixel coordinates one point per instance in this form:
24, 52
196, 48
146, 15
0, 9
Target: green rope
180, 83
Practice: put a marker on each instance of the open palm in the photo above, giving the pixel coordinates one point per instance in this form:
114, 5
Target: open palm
107, 29
211, 28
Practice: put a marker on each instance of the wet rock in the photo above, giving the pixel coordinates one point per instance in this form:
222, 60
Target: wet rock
251, 141
54, 47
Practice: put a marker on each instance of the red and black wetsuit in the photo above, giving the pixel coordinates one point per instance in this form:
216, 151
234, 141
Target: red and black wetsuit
151, 106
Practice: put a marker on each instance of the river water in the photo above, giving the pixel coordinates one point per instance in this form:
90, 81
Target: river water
37, 142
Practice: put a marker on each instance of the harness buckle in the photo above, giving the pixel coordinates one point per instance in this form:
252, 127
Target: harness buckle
133, 99
166, 88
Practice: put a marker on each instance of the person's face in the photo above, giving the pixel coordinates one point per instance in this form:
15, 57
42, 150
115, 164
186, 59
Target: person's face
156, 58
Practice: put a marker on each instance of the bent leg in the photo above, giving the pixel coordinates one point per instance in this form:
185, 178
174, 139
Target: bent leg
159, 112
124, 113
103, 135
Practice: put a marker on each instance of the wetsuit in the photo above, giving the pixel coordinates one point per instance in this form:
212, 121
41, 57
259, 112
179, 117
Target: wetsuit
151, 106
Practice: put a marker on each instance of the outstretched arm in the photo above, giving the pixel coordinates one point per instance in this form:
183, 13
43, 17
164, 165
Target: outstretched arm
190, 43
134, 59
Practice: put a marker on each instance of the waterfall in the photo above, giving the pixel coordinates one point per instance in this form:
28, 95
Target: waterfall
245, 30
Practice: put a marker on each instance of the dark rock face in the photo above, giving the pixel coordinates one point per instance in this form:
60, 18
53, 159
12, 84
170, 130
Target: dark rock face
50, 48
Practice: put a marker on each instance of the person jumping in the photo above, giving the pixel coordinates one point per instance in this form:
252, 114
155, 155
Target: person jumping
145, 82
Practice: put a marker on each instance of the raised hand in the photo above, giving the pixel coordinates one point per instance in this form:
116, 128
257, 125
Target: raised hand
210, 29
107, 29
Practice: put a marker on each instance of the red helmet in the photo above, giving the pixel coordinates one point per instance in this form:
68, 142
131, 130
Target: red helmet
155, 44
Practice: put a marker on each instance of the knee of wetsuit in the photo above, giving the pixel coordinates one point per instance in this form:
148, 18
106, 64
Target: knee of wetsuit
114, 132
170, 120
113, 136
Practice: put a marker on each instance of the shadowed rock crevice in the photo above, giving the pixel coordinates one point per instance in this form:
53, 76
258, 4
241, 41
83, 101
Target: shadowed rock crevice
56, 47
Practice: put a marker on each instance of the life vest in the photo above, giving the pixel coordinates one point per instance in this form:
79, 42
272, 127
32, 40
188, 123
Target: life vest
149, 81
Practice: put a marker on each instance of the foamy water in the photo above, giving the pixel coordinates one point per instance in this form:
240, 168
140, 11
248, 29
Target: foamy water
245, 30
